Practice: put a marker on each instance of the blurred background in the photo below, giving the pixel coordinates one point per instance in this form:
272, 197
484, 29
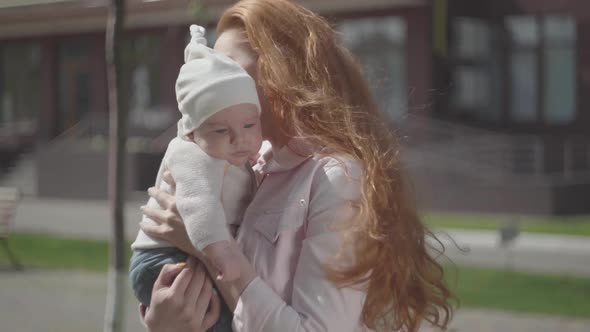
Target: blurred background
491, 100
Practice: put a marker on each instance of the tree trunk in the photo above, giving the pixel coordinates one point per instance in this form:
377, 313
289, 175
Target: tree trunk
117, 277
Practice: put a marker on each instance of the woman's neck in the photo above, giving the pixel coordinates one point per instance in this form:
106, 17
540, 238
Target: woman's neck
278, 141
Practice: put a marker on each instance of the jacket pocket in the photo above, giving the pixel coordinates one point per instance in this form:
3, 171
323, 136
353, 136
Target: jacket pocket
272, 223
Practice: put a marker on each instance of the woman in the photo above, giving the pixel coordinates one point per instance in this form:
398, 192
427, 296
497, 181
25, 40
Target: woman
330, 240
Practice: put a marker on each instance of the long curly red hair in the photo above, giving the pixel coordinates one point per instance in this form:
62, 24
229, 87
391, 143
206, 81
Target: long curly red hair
316, 89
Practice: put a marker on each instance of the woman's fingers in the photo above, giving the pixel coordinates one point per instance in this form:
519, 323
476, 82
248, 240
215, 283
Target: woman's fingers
203, 299
166, 200
167, 177
198, 278
160, 216
142, 310
213, 305
157, 215
169, 227
167, 275
182, 281
151, 230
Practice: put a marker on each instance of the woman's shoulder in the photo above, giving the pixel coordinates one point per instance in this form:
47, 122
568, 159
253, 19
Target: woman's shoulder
339, 165
339, 174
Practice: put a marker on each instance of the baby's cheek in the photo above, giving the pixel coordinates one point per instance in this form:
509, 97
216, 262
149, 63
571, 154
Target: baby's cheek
257, 139
257, 143
212, 148
220, 152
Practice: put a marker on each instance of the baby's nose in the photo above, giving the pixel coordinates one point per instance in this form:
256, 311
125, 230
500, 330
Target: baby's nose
238, 138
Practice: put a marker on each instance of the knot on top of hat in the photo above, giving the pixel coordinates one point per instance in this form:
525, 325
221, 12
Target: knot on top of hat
198, 34
194, 49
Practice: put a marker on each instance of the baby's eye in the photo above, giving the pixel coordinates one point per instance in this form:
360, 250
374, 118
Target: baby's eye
249, 125
220, 131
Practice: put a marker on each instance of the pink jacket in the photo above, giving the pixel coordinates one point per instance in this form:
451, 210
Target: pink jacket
288, 233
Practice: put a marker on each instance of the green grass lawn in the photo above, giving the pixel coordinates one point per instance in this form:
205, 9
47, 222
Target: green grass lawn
579, 225
496, 289
45, 251
521, 292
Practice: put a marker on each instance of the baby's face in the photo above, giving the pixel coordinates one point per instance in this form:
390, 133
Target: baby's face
232, 134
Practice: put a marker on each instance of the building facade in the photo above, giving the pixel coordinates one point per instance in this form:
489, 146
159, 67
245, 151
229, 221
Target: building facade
60, 47
518, 71
487, 92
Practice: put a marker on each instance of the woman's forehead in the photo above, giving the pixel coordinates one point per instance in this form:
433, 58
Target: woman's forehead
237, 48
232, 40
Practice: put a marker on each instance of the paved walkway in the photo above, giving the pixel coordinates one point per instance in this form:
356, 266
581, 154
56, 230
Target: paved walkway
529, 252
57, 301
541, 253
76, 218
60, 301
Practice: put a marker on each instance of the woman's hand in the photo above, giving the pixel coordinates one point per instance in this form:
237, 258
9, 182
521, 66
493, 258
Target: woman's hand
170, 227
180, 299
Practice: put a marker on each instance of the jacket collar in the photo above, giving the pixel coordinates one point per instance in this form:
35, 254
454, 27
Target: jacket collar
273, 160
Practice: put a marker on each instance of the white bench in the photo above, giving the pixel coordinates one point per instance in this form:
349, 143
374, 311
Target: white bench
9, 198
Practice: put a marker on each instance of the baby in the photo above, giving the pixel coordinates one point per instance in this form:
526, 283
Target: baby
217, 135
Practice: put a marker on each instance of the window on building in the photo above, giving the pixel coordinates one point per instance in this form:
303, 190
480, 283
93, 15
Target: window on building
142, 54
19, 87
75, 82
531, 58
473, 38
379, 44
475, 74
543, 68
559, 97
524, 44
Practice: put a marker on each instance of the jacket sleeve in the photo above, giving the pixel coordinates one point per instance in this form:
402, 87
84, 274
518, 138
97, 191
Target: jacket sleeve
316, 303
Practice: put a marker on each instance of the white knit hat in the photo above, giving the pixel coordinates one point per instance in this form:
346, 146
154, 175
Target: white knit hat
209, 82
